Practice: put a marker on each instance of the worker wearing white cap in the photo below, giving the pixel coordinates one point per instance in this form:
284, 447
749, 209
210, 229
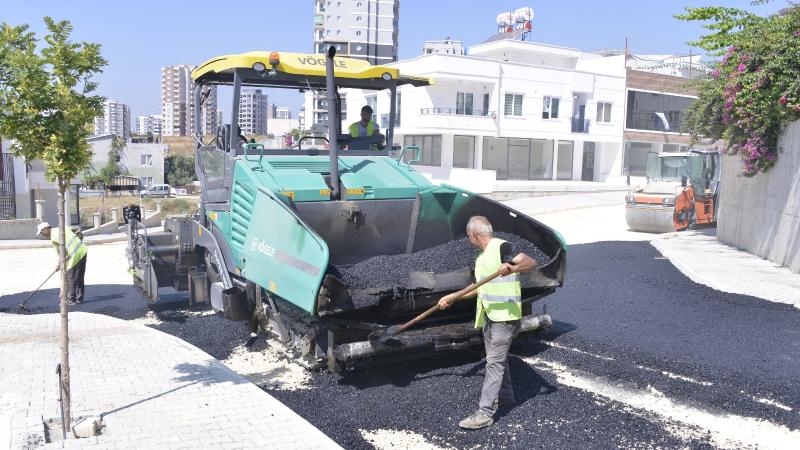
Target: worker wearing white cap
76, 260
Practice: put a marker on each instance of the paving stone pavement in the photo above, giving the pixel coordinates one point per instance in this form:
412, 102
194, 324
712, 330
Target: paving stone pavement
153, 389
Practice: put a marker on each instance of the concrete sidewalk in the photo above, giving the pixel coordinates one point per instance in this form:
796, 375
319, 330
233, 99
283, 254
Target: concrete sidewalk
555, 203
154, 390
705, 260
9, 244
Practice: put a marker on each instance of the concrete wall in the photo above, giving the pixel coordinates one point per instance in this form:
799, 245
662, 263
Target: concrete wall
18, 229
762, 214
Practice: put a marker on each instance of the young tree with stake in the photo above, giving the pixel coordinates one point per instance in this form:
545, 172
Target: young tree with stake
47, 109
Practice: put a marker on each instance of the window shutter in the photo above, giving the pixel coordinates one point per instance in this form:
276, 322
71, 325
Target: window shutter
507, 108
554, 108
518, 105
468, 104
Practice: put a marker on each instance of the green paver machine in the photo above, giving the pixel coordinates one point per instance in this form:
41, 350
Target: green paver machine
273, 222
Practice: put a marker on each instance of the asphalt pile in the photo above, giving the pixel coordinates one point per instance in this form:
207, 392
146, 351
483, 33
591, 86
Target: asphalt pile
385, 272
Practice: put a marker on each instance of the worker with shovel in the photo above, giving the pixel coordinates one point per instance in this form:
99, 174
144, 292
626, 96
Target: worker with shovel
76, 260
499, 311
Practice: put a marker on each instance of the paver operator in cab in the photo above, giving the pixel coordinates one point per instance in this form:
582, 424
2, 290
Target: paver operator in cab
499, 311
365, 126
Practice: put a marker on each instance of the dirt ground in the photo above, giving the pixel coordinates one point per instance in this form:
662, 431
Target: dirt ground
169, 206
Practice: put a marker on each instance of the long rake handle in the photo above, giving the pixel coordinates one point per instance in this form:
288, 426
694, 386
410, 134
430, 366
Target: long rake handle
458, 295
37, 289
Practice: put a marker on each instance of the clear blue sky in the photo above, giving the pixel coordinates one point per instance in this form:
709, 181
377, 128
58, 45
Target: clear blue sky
139, 37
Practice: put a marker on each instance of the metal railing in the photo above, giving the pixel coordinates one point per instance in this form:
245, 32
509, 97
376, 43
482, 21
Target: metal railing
8, 206
580, 126
456, 112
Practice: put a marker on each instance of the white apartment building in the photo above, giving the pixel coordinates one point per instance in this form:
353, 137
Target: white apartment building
509, 110
282, 112
177, 89
116, 119
363, 29
253, 112
446, 46
149, 124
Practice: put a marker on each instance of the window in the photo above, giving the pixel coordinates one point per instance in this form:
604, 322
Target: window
603, 112
521, 159
513, 105
565, 152
358, 33
338, 18
485, 111
464, 103
431, 149
550, 107
147, 181
635, 158
358, 18
358, 5
656, 112
338, 46
464, 151
146, 160
372, 102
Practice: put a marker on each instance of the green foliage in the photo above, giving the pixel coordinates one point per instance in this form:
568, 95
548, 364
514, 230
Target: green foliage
179, 170
47, 106
754, 90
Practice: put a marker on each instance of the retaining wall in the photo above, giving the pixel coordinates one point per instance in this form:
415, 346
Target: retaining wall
761, 215
18, 229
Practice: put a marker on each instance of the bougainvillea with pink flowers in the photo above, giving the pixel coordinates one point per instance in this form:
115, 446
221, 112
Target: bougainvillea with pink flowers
753, 91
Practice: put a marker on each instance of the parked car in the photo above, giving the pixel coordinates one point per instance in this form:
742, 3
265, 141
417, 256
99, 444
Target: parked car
158, 190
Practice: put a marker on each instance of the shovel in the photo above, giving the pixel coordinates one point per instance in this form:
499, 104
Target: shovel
394, 330
22, 305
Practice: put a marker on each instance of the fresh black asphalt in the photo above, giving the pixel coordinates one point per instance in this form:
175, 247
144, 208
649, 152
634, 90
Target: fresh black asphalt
634, 316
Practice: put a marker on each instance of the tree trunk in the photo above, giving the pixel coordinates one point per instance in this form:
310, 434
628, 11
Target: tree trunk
62, 264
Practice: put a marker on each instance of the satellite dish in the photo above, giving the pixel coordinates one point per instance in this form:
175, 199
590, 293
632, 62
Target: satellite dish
505, 19
523, 15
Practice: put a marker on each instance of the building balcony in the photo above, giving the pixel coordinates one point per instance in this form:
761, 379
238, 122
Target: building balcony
580, 126
456, 112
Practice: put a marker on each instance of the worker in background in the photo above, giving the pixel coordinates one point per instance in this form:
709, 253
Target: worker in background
365, 126
76, 260
499, 311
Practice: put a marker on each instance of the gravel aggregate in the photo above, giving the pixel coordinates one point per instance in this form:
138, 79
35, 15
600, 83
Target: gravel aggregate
391, 271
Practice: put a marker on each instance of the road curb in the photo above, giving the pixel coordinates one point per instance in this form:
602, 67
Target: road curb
681, 265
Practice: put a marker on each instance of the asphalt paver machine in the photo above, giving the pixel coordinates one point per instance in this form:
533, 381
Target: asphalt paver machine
681, 192
275, 223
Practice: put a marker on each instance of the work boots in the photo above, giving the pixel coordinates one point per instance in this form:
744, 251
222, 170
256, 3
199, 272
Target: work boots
476, 421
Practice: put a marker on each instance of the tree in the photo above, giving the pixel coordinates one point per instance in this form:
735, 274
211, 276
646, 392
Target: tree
754, 90
179, 170
112, 167
47, 109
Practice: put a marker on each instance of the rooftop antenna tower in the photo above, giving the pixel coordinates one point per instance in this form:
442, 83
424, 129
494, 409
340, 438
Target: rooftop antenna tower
518, 24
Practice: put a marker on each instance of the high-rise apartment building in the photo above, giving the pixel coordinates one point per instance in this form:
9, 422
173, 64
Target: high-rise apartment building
253, 112
364, 29
116, 119
149, 124
177, 96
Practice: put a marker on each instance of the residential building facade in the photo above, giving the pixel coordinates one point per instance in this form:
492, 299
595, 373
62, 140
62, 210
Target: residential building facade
116, 119
657, 96
149, 124
363, 29
142, 160
446, 46
281, 112
253, 112
510, 110
177, 94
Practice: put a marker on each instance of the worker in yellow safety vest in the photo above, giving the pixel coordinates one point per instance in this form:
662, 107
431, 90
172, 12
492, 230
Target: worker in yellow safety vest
76, 260
365, 126
498, 313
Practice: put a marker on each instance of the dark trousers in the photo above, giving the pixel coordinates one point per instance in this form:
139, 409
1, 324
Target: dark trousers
497, 338
75, 284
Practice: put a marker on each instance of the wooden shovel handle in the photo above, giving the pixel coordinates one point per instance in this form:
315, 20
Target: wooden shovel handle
457, 296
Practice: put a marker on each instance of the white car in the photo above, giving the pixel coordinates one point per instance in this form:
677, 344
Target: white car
158, 190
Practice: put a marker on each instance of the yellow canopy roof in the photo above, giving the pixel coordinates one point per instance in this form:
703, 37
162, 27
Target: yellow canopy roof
302, 69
